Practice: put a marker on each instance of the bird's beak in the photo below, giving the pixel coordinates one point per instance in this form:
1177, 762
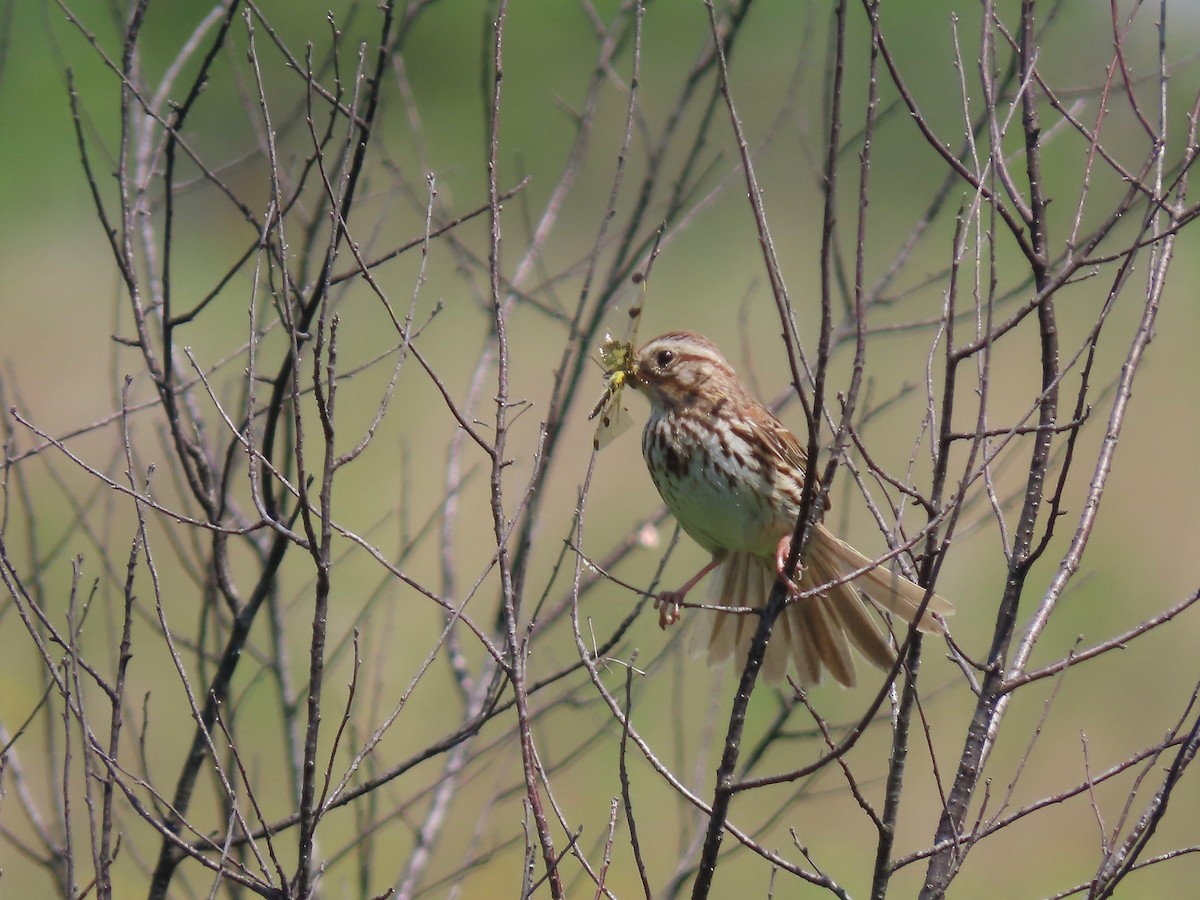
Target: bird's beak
632, 378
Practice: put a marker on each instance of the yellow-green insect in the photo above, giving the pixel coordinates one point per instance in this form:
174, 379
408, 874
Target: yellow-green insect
618, 358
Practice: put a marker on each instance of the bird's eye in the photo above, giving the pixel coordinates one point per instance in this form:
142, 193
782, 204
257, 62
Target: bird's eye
664, 358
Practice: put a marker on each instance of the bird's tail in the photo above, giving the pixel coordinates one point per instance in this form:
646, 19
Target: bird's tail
815, 632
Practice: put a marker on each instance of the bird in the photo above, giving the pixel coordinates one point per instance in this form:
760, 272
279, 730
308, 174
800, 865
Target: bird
732, 475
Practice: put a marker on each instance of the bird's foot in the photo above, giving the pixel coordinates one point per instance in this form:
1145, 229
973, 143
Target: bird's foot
781, 555
668, 605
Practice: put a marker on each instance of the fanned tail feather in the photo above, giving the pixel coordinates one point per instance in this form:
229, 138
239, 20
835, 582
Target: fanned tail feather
815, 632
741, 580
887, 589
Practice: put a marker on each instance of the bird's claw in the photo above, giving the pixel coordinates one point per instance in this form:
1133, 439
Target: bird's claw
668, 605
781, 556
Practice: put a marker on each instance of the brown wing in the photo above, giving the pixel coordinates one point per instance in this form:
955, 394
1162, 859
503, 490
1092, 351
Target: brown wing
782, 444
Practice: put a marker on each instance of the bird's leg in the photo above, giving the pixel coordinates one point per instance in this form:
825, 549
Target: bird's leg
667, 602
781, 556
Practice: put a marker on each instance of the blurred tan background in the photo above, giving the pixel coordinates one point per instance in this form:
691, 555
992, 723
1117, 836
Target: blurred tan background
62, 300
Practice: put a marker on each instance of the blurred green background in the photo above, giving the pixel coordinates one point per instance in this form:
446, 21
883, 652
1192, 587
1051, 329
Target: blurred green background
62, 300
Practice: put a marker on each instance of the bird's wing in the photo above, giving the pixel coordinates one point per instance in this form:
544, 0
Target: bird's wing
782, 443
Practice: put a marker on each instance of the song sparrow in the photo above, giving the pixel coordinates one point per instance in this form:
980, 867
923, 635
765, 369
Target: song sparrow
732, 474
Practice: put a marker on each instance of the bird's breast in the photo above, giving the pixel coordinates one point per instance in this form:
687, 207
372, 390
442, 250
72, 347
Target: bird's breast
715, 484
